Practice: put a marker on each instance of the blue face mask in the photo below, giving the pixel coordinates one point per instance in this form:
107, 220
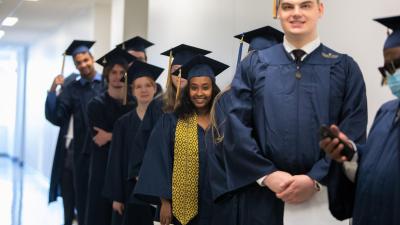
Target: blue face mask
394, 83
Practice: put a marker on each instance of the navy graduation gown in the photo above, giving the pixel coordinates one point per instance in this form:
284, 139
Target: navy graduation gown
155, 177
152, 115
376, 194
60, 152
73, 101
117, 187
274, 118
103, 112
227, 205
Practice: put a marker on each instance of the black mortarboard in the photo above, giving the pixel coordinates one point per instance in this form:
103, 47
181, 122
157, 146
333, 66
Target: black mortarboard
142, 69
136, 43
201, 65
393, 23
261, 38
79, 46
116, 56
183, 53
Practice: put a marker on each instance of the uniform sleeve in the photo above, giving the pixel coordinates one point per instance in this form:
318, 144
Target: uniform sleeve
64, 106
244, 161
353, 117
155, 177
96, 115
114, 179
50, 108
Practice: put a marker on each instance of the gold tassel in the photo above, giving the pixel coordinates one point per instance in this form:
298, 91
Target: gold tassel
169, 70
275, 9
63, 64
178, 89
125, 89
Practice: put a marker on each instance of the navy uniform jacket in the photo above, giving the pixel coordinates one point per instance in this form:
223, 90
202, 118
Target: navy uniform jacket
274, 118
60, 152
155, 177
376, 193
227, 206
103, 112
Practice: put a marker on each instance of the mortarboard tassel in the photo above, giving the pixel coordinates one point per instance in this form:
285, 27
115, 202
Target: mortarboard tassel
63, 64
240, 51
275, 9
178, 89
169, 77
125, 89
388, 32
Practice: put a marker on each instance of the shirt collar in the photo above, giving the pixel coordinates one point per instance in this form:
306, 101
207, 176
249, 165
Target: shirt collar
97, 77
308, 48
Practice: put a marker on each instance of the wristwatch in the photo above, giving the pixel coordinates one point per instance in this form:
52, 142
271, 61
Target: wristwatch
317, 185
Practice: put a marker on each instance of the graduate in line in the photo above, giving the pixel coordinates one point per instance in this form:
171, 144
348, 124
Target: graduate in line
367, 186
117, 187
62, 175
230, 205
280, 96
174, 171
103, 111
179, 55
73, 101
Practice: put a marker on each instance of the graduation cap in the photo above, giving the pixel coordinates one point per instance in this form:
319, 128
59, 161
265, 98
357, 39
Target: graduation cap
137, 43
200, 66
393, 23
142, 69
261, 38
79, 46
116, 56
183, 53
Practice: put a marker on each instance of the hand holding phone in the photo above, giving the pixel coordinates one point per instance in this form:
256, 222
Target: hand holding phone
347, 151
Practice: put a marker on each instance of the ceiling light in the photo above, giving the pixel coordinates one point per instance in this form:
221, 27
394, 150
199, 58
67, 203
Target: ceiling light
1, 33
9, 21
31, 0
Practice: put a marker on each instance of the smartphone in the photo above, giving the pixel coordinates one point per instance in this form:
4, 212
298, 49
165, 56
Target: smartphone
347, 151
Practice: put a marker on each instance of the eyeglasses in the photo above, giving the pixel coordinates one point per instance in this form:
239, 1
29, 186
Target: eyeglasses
389, 68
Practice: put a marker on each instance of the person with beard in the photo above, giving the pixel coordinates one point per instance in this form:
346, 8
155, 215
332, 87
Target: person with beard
73, 101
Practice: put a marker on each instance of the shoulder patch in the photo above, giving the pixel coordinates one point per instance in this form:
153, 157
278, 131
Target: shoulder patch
329, 55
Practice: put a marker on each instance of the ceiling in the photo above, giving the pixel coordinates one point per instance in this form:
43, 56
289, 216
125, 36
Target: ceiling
38, 18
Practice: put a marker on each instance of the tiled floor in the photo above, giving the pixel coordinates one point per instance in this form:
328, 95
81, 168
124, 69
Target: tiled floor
23, 197
23, 201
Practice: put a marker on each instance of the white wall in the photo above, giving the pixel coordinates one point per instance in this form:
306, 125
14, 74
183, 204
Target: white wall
44, 63
347, 26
